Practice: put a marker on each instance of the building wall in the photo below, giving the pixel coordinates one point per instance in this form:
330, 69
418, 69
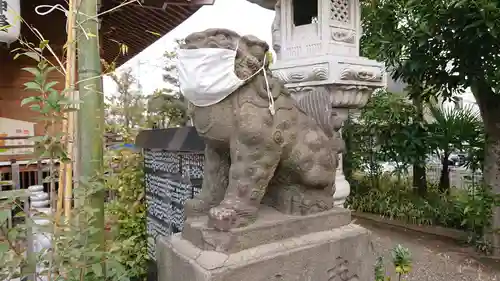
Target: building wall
467, 100
12, 79
467, 97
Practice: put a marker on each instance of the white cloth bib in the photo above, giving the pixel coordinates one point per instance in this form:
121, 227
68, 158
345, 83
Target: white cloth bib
206, 75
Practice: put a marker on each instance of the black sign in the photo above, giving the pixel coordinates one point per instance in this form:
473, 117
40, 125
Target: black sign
4, 24
170, 178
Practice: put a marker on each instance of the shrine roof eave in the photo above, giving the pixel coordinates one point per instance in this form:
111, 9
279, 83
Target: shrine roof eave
135, 25
267, 4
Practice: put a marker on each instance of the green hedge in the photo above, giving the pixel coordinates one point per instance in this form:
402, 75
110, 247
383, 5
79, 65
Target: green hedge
469, 210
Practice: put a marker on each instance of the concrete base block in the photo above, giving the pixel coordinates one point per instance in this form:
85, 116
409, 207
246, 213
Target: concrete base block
340, 254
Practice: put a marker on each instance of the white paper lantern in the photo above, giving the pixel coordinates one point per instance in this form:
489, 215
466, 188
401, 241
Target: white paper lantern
10, 20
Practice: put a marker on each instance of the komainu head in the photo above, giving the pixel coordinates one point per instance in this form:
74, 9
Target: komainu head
251, 51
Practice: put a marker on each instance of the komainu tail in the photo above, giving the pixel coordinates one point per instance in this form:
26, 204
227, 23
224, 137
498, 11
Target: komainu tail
317, 105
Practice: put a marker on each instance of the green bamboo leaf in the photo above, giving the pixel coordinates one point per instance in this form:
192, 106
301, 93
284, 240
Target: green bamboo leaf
35, 107
30, 100
43, 44
50, 69
5, 28
53, 98
154, 33
33, 55
49, 85
123, 49
32, 70
32, 86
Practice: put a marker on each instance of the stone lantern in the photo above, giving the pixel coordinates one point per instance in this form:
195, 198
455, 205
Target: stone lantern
317, 49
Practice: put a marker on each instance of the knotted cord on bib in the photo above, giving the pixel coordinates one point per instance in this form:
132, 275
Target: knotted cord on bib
268, 89
269, 94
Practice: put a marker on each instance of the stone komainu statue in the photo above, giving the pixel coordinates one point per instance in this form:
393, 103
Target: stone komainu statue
285, 160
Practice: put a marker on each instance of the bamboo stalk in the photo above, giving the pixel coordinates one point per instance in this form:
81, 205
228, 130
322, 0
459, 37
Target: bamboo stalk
71, 68
68, 187
90, 118
65, 174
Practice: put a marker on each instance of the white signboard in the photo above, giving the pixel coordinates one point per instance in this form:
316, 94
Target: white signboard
16, 128
10, 20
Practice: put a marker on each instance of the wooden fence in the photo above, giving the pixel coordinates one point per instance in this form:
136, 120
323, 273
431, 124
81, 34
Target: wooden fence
19, 170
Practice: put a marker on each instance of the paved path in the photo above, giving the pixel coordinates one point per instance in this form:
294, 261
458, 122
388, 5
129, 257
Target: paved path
434, 259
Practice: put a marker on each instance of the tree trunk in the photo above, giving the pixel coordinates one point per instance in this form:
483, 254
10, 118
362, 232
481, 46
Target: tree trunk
419, 173
444, 179
420, 179
127, 117
492, 179
489, 103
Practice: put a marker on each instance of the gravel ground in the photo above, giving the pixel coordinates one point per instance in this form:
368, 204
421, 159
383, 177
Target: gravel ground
434, 259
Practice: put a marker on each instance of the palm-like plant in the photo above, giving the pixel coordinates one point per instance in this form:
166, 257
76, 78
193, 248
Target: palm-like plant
450, 129
402, 261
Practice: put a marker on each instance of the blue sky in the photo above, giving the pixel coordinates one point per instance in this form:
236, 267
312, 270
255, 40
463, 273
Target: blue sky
238, 15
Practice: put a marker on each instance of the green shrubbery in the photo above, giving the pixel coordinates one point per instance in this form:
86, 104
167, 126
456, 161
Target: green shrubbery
469, 210
387, 131
126, 210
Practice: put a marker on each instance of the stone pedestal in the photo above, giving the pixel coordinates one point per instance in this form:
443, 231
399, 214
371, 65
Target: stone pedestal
319, 247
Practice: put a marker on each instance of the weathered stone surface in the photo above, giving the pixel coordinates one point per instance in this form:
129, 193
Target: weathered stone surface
271, 226
297, 200
258, 139
343, 254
